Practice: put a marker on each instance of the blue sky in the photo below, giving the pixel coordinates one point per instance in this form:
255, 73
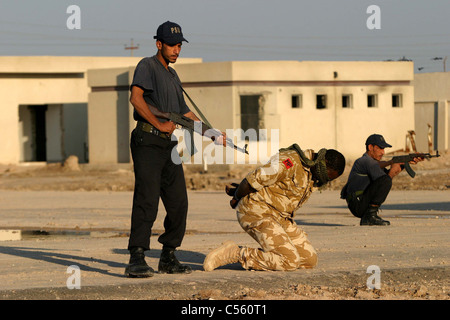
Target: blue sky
234, 29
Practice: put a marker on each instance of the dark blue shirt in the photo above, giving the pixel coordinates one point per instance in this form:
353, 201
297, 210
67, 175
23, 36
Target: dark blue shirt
365, 170
162, 87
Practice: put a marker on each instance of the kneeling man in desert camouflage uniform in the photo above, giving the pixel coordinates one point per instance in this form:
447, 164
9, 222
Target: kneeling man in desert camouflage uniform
266, 201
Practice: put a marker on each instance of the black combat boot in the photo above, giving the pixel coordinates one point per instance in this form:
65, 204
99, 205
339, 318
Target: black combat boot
137, 267
168, 263
371, 218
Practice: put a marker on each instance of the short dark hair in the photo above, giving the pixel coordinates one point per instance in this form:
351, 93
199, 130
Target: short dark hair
335, 160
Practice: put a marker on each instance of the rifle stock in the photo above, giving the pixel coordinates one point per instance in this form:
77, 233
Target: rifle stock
189, 124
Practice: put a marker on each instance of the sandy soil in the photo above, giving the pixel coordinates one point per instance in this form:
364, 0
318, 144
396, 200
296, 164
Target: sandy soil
71, 176
426, 277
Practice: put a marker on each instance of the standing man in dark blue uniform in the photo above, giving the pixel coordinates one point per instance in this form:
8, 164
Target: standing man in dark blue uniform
156, 173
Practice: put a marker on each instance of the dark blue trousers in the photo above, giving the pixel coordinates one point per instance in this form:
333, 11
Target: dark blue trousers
375, 194
157, 177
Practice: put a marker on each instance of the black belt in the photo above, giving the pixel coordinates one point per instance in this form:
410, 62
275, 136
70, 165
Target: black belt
147, 127
354, 195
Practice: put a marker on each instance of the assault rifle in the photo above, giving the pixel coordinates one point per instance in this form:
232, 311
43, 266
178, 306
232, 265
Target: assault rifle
405, 159
190, 126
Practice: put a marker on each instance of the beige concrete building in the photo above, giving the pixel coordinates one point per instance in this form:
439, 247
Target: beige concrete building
432, 110
44, 106
315, 104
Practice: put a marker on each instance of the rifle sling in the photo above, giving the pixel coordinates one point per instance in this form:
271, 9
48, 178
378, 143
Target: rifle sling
196, 108
192, 101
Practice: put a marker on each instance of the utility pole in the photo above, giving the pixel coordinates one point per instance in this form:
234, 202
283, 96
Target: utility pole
445, 62
132, 47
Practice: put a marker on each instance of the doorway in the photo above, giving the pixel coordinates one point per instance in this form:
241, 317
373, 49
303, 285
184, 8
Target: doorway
33, 136
52, 132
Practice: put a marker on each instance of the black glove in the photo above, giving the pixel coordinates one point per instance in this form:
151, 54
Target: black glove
231, 191
238, 191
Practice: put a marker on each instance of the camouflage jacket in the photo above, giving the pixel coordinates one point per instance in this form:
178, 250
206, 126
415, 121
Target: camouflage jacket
283, 185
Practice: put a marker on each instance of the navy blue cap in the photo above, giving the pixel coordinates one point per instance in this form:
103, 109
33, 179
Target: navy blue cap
170, 33
378, 140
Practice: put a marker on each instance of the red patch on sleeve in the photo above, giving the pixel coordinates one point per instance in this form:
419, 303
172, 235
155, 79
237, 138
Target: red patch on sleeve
288, 163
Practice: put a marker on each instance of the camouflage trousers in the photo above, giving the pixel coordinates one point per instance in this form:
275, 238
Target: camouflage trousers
284, 246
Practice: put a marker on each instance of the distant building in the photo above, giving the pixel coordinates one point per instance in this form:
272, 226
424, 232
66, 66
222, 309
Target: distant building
53, 107
315, 104
432, 110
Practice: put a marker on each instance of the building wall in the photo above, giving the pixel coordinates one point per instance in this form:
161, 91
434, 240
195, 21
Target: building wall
432, 107
345, 129
23, 90
110, 115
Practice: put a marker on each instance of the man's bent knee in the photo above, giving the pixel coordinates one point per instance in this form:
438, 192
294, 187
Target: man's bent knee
299, 262
309, 262
287, 261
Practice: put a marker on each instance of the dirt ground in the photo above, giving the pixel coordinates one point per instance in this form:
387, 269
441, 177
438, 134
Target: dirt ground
429, 280
71, 176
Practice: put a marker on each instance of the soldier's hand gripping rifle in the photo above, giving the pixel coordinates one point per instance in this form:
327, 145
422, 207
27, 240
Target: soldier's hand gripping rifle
190, 125
406, 159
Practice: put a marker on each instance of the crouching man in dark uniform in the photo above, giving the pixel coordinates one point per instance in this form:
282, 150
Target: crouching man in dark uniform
369, 182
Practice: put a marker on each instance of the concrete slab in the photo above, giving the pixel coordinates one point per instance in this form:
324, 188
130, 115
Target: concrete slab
10, 235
